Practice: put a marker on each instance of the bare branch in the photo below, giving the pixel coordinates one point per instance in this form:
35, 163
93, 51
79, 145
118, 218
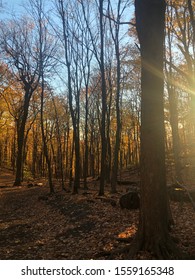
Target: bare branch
119, 22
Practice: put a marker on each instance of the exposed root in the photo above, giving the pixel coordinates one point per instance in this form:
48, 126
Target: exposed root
152, 249
158, 249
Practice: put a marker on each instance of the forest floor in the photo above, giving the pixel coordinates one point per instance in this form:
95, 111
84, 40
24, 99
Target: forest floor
35, 225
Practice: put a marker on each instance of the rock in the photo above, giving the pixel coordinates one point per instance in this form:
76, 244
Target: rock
130, 200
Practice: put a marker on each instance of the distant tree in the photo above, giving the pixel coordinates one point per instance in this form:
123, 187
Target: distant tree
181, 30
173, 98
9, 110
71, 38
98, 44
104, 105
46, 49
86, 69
192, 19
115, 33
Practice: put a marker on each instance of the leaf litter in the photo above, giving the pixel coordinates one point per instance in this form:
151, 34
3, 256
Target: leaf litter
36, 225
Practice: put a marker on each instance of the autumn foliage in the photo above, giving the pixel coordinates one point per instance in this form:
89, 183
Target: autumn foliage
71, 110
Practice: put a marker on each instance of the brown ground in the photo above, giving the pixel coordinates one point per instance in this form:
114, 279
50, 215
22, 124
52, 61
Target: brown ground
35, 225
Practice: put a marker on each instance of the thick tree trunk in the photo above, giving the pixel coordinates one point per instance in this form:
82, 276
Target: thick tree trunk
153, 234
20, 138
20, 142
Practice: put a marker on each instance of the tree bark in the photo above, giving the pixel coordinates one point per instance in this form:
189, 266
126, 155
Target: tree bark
86, 165
153, 234
75, 112
118, 112
103, 116
45, 148
20, 137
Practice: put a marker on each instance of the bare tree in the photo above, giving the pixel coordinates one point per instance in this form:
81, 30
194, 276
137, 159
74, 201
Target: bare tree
173, 99
86, 69
99, 52
18, 43
71, 36
115, 32
46, 48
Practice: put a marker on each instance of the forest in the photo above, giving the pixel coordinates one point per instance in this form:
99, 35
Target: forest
97, 129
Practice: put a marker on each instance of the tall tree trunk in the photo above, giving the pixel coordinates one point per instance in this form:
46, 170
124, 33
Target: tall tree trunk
60, 164
192, 75
86, 157
103, 116
66, 149
77, 161
74, 112
41, 34
34, 151
108, 141
153, 234
118, 116
45, 148
92, 151
175, 133
20, 137
71, 163
173, 103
